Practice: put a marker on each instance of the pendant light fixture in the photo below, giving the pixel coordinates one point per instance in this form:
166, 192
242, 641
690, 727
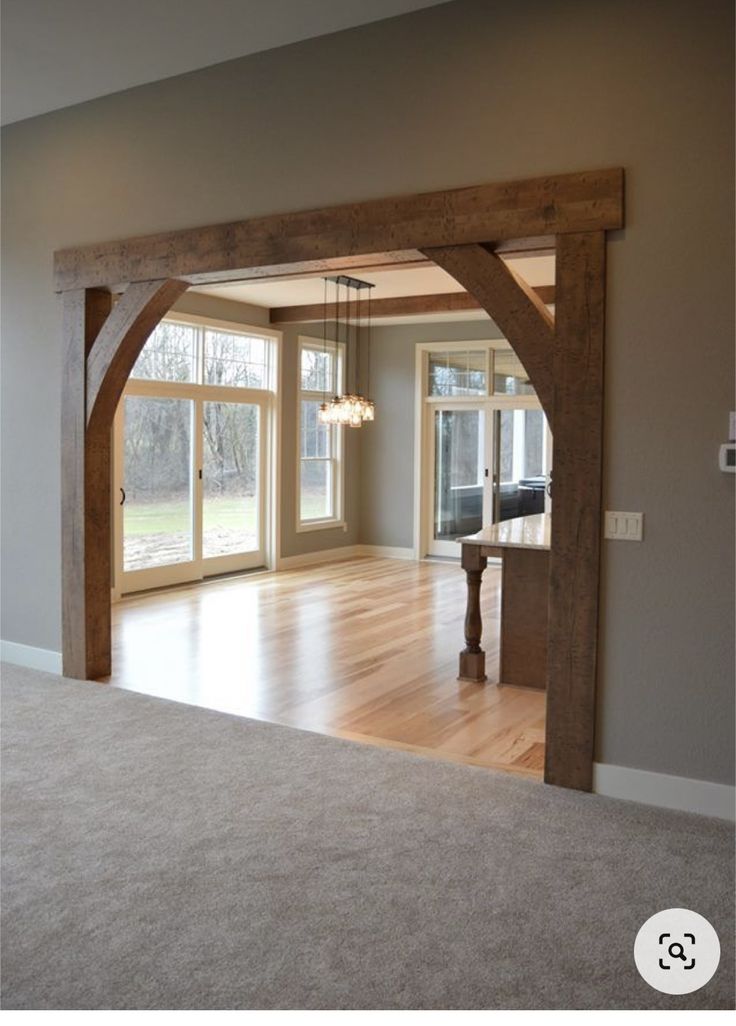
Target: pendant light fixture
353, 330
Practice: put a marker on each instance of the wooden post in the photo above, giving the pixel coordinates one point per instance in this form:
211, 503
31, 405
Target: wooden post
472, 658
576, 520
564, 358
85, 499
101, 345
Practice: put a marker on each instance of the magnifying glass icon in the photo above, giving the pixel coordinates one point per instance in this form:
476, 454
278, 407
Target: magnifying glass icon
677, 954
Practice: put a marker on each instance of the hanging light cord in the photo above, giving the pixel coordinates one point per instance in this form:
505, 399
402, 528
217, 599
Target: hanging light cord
368, 349
324, 343
356, 382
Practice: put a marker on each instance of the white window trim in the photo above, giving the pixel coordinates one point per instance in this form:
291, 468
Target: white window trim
233, 328
423, 403
337, 447
268, 398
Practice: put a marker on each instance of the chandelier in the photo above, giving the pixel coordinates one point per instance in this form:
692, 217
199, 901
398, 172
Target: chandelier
352, 329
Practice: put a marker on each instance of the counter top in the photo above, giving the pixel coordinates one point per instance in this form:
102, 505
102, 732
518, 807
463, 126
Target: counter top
520, 533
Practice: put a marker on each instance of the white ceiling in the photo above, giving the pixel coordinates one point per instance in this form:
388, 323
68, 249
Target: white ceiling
427, 280
417, 281
56, 53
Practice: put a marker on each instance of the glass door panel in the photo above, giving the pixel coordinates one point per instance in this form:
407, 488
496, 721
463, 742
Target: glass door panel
520, 463
157, 483
459, 477
231, 479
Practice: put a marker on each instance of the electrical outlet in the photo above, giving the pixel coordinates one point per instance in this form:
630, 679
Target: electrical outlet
624, 526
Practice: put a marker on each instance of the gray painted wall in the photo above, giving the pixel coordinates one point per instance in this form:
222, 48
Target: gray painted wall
469, 92
220, 309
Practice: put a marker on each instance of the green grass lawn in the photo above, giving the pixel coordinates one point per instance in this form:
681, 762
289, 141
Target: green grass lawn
173, 517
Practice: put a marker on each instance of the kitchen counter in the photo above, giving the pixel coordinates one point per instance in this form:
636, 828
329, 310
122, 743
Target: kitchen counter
523, 544
521, 533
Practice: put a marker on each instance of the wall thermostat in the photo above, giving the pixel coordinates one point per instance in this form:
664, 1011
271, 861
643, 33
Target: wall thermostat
727, 457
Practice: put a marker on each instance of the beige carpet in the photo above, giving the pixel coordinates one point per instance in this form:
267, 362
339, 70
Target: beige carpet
157, 855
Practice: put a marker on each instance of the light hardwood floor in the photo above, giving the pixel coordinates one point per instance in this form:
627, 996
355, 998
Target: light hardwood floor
365, 649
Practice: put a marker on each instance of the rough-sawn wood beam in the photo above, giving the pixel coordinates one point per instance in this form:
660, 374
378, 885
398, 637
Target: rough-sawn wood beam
399, 306
305, 241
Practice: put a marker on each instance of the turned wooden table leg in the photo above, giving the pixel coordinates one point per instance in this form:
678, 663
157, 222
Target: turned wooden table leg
473, 658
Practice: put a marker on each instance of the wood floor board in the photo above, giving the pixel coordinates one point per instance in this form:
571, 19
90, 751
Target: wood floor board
364, 648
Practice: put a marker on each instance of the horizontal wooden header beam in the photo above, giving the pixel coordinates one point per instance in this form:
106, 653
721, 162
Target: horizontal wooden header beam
308, 241
399, 306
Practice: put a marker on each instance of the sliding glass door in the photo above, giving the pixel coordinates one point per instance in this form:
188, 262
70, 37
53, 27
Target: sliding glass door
191, 489
459, 477
157, 489
487, 463
232, 485
520, 474
193, 455
484, 445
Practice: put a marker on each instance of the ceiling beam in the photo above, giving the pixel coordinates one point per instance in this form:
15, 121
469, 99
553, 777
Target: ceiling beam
307, 241
399, 306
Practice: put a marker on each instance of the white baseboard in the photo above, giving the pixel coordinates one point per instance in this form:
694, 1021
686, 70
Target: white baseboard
322, 556
34, 658
701, 796
344, 552
386, 552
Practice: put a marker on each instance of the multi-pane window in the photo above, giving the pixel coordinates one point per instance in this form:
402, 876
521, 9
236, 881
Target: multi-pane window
491, 370
205, 355
509, 376
238, 361
170, 354
457, 372
320, 445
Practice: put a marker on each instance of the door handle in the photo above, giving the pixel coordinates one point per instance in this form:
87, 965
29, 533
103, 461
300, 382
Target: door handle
122, 496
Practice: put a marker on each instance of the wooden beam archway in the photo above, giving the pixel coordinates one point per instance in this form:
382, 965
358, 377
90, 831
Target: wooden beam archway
461, 230
564, 359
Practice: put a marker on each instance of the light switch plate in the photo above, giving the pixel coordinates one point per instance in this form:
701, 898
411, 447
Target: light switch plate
623, 526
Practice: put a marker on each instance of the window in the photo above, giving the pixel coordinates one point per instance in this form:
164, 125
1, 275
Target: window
493, 368
170, 354
457, 372
485, 448
237, 361
206, 355
320, 467
196, 452
521, 444
509, 376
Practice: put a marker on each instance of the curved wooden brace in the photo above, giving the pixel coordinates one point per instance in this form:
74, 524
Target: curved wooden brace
514, 306
102, 344
118, 345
